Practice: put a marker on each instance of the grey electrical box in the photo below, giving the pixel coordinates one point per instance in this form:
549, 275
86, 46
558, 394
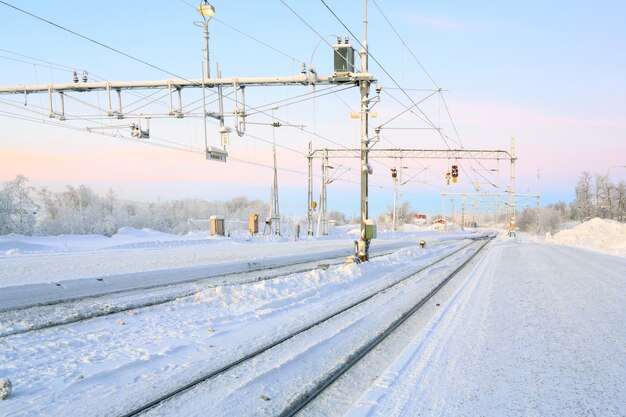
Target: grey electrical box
370, 229
344, 59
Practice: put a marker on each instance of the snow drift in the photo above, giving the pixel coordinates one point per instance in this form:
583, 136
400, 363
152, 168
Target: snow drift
597, 234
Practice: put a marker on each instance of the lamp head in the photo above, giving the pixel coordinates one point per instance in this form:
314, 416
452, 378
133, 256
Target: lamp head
206, 9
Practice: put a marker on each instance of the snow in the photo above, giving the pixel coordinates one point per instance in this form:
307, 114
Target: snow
533, 329
601, 235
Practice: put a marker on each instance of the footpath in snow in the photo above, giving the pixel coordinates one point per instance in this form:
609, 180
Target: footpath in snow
537, 330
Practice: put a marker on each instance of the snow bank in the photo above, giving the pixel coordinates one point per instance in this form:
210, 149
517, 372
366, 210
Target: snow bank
599, 235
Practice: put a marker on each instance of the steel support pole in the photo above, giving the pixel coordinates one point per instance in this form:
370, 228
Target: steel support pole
364, 86
463, 214
323, 199
512, 198
395, 204
206, 49
310, 193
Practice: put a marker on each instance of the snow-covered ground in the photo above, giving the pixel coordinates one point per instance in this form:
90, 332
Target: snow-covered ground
534, 329
30, 260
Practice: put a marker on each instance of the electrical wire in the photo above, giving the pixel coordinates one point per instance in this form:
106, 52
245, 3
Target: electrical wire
334, 89
117, 51
405, 45
245, 34
429, 76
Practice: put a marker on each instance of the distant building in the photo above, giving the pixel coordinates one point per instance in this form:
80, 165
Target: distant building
419, 218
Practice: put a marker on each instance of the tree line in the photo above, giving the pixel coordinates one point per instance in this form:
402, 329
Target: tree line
27, 210
595, 196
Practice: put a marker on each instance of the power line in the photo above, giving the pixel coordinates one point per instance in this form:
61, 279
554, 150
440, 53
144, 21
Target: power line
443, 137
92, 40
429, 76
405, 45
246, 34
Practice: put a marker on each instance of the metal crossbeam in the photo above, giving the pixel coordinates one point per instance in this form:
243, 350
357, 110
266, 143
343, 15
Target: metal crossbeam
302, 79
417, 153
444, 194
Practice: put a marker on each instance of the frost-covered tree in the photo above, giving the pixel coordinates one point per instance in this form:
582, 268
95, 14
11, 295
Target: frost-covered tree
549, 220
337, 216
620, 202
404, 213
603, 193
550, 217
583, 204
527, 220
17, 208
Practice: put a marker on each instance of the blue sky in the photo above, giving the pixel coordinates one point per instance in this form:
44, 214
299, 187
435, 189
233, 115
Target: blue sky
549, 74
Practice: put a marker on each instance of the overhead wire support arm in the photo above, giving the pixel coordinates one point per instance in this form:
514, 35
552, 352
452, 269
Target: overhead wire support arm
301, 79
421, 153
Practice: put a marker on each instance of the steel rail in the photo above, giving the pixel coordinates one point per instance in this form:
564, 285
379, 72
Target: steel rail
305, 399
210, 375
105, 298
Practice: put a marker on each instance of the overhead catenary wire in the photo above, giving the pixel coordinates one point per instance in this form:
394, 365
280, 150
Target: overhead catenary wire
443, 136
147, 98
87, 38
108, 47
303, 97
245, 34
404, 44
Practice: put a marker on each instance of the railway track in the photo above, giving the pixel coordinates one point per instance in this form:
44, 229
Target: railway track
303, 396
53, 313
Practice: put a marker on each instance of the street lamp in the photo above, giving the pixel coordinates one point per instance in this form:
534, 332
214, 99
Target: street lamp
207, 11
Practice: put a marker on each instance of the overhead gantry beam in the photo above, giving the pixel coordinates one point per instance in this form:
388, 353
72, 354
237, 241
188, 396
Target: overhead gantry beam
302, 79
417, 153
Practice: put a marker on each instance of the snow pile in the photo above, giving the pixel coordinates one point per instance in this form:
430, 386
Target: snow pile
600, 235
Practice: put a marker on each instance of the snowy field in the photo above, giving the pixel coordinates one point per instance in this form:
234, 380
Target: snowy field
534, 329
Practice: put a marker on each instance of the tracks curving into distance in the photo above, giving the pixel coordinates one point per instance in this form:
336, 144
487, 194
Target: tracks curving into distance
314, 389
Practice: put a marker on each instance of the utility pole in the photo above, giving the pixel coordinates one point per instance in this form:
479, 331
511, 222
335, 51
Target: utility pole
323, 196
512, 198
463, 214
538, 197
394, 175
319, 213
452, 208
207, 11
364, 87
310, 193
274, 208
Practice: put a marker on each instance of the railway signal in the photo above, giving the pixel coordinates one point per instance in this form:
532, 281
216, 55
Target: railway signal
455, 172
